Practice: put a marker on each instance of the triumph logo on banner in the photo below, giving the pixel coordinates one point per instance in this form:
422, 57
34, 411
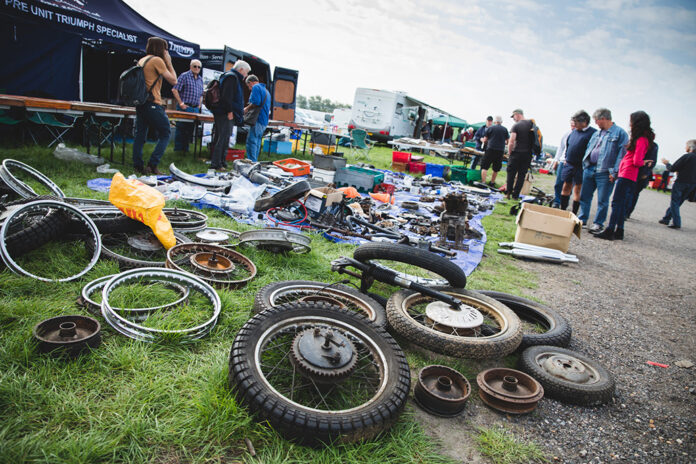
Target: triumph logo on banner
180, 50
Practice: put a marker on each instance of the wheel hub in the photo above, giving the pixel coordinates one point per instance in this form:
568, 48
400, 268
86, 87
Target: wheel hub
323, 355
212, 262
144, 242
567, 368
441, 391
508, 390
212, 236
461, 317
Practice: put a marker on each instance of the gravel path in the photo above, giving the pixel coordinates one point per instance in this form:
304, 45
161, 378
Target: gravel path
628, 302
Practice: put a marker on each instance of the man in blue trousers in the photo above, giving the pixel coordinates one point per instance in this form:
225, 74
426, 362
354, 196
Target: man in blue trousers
259, 101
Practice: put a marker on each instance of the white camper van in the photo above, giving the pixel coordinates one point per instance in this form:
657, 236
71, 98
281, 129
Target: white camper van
386, 115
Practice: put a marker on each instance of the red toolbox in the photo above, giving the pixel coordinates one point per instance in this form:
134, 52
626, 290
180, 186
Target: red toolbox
401, 157
416, 167
234, 154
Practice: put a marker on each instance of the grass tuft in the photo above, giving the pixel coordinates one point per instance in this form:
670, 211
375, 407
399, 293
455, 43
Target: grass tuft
499, 444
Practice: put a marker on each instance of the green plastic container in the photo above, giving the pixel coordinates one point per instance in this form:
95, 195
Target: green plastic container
459, 173
362, 179
473, 175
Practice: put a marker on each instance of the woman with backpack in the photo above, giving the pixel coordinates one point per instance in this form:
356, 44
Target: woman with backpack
156, 64
640, 141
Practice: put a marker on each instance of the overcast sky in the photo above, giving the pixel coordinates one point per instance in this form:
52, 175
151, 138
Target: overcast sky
472, 58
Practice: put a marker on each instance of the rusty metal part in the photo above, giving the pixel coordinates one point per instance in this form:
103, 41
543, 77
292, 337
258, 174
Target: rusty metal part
441, 390
427, 199
412, 205
456, 204
509, 390
68, 334
212, 263
323, 355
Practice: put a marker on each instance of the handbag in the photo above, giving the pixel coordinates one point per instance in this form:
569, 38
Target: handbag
251, 116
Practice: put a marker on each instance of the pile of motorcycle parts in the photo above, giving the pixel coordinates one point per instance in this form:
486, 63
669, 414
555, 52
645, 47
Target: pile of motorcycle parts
13, 174
335, 294
319, 373
30, 225
214, 264
441, 391
130, 323
454, 223
276, 240
568, 376
96, 286
69, 335
508, 390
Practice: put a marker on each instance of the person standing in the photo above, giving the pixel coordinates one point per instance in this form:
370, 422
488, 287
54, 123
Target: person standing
600, 166
572, 168
495, 138
558, 162
229, 111
644, 176
157, 65
641, 138
685, 167
480, 144
519, 153
259, 100
188, 93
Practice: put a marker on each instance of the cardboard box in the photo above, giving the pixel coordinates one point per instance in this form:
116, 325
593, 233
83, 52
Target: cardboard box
318, 199
547, 227
399, 167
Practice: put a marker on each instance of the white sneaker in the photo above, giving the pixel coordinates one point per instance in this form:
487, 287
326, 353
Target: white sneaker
596, 228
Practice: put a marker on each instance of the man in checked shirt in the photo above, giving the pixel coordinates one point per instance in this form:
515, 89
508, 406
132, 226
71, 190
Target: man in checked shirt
188, 93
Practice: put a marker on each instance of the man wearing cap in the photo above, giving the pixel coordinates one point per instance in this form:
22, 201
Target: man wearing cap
188, 93
519, 153
572, 169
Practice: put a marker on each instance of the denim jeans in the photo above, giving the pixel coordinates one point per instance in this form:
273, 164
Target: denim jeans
150, 115
558, 186
253, 142
221, 141
591, 181
184, 130
679, 193
624, 189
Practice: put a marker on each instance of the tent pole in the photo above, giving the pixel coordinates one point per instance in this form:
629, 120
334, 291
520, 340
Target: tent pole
445, 129
82, 48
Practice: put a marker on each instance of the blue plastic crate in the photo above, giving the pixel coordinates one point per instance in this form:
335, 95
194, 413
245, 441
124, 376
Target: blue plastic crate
436, 170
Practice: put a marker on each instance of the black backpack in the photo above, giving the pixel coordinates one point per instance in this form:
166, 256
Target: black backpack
213, 92
537, 142
132, 90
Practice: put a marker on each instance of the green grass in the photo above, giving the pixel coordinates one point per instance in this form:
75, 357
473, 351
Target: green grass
501, 447
165, 403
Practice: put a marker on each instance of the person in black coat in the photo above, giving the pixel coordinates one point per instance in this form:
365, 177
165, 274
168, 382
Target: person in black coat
229, 111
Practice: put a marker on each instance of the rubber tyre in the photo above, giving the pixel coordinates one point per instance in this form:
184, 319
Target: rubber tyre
558, 330
288, 194
311, 426
597, 393
109, 222
450, 272
268, 296
497, 345
50, 227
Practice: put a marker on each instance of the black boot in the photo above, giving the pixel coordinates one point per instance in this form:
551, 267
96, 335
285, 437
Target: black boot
618, 234
564, 201
607, 234
576, 207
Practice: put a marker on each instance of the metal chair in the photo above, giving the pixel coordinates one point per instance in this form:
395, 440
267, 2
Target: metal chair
57, 129
359, 144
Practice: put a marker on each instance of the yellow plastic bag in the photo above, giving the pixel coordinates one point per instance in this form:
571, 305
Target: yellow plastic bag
142, 203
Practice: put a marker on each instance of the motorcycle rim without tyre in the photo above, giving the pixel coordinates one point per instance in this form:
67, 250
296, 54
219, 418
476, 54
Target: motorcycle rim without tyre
499, 335
568, 376
391, 255
279, 293
358, 407
556, 328
117, 248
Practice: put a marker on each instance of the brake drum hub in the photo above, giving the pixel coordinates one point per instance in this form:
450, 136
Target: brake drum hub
211, 262
324, 355
462, 317
145, 242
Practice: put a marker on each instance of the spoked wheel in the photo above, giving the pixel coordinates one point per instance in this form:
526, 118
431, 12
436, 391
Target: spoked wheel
482, 328
415, 264
214, 264
319, 373
140, 249
185, 220
340, 295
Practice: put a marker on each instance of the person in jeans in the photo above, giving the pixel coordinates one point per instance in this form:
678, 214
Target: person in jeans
157, 65
495, 138
685, 167
558, 162
519, 154
639, 143
229, 111
188, 93
259, 97
600, 166
644, 176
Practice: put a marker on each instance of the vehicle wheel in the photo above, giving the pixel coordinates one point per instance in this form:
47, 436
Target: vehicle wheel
279, 293
110, 221
499, 335
568, 376
34, 229
413, 263
349, 402
287, 195
140, 249
541, 325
